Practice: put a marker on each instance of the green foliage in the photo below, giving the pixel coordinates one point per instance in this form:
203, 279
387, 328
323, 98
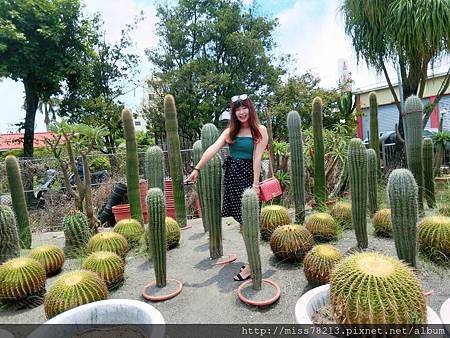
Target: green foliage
50, 256
297, 164
73, 289
18, 200
319, 263
175, 161
250, 217
272, 216
357, 170
41, 41
157, 234
108, 265
291, 242
99, 163
143, 139
402, 192
208, 52
133, 191
411, 34
297, 93
395, 298
9, 238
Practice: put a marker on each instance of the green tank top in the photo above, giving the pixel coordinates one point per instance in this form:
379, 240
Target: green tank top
242, 148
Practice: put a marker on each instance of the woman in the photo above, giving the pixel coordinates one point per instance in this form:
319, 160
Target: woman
247, 139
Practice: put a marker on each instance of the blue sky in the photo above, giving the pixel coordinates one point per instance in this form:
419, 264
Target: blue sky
310, 30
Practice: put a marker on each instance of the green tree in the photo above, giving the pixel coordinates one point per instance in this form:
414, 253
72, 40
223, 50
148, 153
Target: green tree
297, 93
91, 95
208, 52
40, 40
409, 33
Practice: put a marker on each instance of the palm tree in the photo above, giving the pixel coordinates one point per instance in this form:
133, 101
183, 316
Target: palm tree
408, 33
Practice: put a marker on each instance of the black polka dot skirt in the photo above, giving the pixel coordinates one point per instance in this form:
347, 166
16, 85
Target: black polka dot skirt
238, 177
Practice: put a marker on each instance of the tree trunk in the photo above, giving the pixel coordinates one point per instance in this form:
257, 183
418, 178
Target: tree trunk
31, 105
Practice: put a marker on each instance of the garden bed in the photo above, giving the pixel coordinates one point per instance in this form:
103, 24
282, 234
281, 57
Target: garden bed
209, 294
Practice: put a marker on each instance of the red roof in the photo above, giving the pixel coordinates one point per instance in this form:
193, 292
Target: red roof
15, 141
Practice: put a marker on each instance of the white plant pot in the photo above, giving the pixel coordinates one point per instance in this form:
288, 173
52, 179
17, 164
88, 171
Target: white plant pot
110, 311
316, 298
445, 314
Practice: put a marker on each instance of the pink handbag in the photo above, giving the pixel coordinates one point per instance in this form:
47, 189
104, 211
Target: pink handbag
270, 189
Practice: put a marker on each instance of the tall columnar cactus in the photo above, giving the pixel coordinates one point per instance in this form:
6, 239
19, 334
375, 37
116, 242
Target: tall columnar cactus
134, 197
212, 175
428, 175
402, 193
175, 161
413, 139
374, 138
9, 239
154, 167
372, 179
18, 200
297, 164
357, 170
319, 165
250, 217
157, 234
201, 183
209, 135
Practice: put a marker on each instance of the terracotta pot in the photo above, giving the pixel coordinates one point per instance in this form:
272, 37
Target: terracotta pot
122, 211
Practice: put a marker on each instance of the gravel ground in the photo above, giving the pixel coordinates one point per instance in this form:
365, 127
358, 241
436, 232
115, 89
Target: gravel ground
210, 294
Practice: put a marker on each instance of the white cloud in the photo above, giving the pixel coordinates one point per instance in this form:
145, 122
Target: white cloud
316, 40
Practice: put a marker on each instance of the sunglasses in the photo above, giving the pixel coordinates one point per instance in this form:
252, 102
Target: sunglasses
237, 98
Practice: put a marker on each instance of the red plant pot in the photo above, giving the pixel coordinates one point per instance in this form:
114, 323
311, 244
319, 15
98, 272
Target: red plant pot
122, 211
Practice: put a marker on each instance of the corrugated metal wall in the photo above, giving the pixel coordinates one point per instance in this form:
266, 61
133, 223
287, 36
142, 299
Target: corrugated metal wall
388, 116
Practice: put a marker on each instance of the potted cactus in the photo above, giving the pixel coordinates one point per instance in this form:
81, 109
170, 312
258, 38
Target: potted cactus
252, 291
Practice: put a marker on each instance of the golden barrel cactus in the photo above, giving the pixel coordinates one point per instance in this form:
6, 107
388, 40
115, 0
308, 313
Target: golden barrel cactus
50, 256
291, 242
342, 213
434, 238
272, 216
108, 241
322, 226
382, 224
131, 229
108, 265
319, 262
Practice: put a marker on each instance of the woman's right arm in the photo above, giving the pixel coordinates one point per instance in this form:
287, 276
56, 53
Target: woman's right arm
208, 154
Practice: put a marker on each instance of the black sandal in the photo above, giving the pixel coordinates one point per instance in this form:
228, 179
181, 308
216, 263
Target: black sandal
238, 277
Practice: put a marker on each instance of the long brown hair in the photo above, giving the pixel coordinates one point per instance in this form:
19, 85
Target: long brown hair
235, 125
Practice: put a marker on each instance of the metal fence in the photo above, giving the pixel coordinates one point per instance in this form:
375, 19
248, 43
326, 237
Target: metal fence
387, 153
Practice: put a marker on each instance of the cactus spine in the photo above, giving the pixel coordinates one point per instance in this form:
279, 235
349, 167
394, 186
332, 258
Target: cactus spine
402, 193
18, 200
413, 139
428, 176
374, 138
157, 233
319, 166
372, 180
154, 167
250, 217
212, 176
132, 166
9, 239
357, 170
201, 187
297, 164
175, 162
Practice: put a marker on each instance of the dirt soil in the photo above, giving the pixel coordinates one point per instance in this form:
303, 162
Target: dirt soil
209, 294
